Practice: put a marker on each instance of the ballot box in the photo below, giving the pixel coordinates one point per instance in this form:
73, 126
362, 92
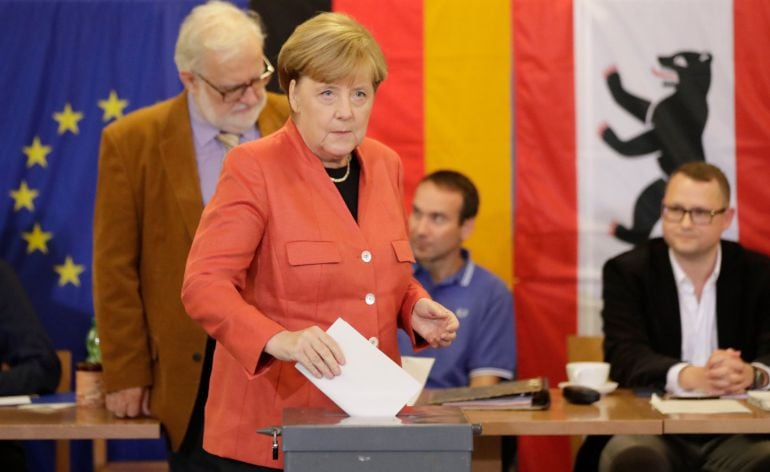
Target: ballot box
421, 439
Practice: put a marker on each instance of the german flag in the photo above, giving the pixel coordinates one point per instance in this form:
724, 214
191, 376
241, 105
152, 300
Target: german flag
446, 102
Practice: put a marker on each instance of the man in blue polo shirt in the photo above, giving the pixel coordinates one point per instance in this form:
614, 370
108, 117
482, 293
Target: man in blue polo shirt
484, 353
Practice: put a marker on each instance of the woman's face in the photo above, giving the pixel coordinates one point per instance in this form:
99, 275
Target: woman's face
332, 118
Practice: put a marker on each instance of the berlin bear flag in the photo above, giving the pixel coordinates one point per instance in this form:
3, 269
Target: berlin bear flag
609, 97
645, 104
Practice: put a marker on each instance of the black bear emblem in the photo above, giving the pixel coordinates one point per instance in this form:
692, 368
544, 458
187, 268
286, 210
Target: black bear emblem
675, 130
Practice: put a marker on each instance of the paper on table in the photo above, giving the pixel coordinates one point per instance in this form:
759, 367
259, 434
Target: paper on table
419, 368
45, 407
371, 384
759, 398
669, 407
12, 400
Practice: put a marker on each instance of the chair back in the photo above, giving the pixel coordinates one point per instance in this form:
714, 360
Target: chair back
585, 349
65, 382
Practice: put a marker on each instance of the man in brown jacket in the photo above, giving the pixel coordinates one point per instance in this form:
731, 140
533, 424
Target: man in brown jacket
158, 167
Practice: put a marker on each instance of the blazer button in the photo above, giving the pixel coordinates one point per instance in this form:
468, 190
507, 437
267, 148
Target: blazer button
197, 357
366, 256
375, 342
369, 299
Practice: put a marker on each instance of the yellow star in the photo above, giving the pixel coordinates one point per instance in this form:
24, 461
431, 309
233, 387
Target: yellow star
24, 197
113, 106
69, 272
36, 153
37, 239
68, 119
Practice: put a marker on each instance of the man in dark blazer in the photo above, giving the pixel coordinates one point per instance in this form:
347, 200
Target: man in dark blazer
28, 362
689, 314
158, 167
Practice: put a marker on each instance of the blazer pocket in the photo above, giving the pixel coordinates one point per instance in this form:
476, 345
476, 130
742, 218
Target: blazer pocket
301, 253
403, 251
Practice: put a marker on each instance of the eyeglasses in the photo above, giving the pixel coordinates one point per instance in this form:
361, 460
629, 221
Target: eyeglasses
698, 216
236, 92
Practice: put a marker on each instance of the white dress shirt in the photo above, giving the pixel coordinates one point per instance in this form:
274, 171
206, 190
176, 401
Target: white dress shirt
698, 320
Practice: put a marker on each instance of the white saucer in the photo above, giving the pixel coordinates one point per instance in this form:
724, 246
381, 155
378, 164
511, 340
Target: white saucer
604, 389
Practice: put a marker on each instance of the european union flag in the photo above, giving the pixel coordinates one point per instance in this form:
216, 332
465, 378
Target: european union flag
70, 67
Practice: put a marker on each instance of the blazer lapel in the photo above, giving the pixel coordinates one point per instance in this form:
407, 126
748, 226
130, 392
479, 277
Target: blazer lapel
728, 301
668, 295
178, 155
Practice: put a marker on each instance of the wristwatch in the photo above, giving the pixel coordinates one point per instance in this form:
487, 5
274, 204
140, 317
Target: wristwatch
760, 379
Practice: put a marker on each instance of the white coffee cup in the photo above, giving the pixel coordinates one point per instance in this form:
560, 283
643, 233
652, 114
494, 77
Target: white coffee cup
589, 374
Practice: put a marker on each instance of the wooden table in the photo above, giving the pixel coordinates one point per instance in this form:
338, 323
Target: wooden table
73, 422
617, 413
758, 421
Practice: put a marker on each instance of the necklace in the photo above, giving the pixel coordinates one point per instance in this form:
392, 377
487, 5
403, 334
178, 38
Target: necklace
344, 177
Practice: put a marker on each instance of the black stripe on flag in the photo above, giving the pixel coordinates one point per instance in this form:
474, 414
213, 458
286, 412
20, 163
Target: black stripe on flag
280, 18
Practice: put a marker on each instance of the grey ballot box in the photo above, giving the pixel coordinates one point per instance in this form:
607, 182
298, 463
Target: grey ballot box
424, 439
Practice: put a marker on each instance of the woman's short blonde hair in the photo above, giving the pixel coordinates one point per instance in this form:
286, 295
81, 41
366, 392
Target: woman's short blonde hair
330, 47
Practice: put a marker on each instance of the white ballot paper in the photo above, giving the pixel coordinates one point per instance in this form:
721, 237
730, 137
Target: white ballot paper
669, 407
419, 368
371, 384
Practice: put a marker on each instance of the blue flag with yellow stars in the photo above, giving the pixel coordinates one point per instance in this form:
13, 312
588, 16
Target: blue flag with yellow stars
70, 67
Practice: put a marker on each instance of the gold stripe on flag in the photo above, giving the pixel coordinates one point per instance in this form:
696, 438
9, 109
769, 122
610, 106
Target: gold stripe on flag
468, 114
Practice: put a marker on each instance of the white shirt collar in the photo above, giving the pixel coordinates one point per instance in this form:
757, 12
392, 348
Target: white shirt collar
681, 277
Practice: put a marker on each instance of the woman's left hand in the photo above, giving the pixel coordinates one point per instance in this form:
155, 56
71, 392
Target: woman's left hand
435, 323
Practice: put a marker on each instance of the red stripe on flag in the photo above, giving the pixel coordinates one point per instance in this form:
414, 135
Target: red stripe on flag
398, 115
752, 116
545, 223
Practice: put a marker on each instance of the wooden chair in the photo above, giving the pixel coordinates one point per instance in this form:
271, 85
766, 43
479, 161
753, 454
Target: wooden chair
102, 465
62, 446
583, 349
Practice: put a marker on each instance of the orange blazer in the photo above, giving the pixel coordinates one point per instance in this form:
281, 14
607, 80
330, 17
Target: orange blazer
148, 203
277, 249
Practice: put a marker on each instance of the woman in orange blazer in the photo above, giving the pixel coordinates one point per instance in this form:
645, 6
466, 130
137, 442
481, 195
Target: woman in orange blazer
306, 226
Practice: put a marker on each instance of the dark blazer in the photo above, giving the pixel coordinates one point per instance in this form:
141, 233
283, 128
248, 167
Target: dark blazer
642, 330
26, 351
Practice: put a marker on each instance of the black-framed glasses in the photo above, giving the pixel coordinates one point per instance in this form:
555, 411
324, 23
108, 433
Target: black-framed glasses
698, 216
236, 92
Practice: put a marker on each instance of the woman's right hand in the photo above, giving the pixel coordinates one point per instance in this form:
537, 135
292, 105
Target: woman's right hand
312, 347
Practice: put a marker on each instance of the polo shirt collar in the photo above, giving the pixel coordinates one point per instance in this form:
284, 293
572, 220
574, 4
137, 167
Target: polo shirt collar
462, 277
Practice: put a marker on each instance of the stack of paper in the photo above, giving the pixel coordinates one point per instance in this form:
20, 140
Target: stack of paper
526, 394
15, 400
759, 398
514, 402
670, 407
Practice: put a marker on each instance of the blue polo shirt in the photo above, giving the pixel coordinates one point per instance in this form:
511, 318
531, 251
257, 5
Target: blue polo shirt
486, 340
